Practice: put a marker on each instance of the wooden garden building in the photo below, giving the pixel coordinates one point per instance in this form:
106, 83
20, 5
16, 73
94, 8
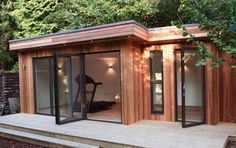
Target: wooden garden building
122, 73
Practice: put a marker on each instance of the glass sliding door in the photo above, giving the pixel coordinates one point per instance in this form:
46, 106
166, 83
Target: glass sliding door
190, 89
43, 90
65, 96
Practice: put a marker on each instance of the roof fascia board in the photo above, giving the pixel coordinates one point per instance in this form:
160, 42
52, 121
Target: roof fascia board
102, 32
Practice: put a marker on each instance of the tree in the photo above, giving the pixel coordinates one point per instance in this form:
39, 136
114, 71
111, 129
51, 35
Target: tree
30, 15
167, 11
218, 17
37, 17
7, 26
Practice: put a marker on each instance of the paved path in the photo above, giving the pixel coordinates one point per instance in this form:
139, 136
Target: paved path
144, 133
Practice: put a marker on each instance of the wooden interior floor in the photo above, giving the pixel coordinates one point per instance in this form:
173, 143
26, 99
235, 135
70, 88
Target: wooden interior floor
192, 113
113, 114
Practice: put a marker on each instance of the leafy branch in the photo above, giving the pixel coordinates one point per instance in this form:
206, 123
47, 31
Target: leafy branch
220, 23
7, 25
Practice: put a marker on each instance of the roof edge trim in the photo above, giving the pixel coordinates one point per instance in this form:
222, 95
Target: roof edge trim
81, 30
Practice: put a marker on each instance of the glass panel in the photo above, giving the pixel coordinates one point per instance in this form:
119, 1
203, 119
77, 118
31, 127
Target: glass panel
103, 86
178, 85
157, 82
194, 105
75, 64
189, 87
67, 88
43, 86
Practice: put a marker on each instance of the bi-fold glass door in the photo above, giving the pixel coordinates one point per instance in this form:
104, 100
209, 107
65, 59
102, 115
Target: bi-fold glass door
190, 102
87, 85
65, 95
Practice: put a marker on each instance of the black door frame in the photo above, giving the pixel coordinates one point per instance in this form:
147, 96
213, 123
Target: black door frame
82, 84
183, 113
56, 88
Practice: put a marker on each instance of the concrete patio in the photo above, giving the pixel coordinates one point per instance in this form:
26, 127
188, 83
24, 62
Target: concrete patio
141, 134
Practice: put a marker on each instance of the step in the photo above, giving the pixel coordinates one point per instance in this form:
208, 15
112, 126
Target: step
101, 143
40, 139
230, 142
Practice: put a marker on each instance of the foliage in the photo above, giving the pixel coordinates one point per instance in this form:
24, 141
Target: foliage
37, 17
7, 26
27, 18
219, 19
15, 67
167, 11
30, 16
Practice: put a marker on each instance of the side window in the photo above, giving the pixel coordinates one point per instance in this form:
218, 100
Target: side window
156, 73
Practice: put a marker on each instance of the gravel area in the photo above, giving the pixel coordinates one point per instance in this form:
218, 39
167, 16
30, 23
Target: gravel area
10, 143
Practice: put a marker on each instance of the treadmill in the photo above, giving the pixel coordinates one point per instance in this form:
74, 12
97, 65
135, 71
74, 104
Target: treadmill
92, 106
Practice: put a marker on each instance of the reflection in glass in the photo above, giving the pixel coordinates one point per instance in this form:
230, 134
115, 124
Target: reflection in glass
43, 90
66, 94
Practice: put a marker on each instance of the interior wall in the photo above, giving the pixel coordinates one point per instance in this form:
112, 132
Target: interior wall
193, 82
97, 67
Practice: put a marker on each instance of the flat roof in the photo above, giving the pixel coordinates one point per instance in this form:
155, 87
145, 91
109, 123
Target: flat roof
130, 29
79, 30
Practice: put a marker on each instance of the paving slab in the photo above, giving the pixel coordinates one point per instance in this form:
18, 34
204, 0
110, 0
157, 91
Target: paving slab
63, 143
145, 133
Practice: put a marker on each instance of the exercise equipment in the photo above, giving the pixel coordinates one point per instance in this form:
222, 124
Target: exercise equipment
92, 106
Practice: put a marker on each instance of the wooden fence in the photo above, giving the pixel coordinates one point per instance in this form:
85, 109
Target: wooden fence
9, 88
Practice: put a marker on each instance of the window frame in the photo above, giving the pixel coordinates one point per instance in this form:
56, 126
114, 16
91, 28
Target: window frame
153, 111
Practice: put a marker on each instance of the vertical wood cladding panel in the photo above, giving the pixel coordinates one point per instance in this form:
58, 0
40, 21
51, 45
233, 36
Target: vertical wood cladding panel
169, 84
131, 65
212, 92
220, 91
135, 81
228, 91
